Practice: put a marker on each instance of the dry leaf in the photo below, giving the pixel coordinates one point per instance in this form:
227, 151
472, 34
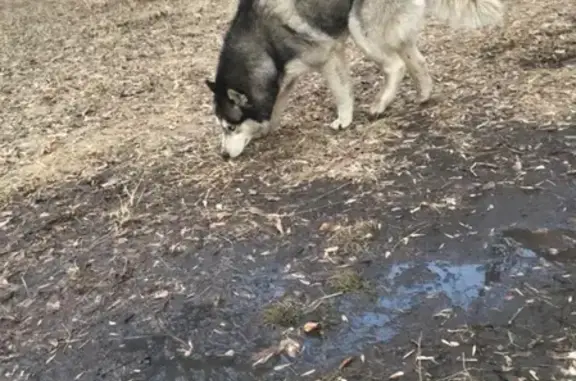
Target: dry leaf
566, 356
311, 326
187, 349
445, 313
257, 211
53, 306
346, 362
308, 373
408, 354
330, 250
51, 358
5, 222
489, 185
569, 372
517, 165
281, 366
279, 225
160, 294
396, 375
290, 346
264, 356
452, 344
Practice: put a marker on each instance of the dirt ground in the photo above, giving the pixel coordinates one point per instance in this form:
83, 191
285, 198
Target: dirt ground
437, 243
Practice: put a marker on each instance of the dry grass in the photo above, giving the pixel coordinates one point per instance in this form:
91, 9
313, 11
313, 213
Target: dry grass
94, 83
351, 238
88, 84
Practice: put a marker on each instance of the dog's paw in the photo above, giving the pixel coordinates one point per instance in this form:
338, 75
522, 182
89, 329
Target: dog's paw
340, 124
262, 133
376, 110
424, 92
423, 98
427, 101
274, 128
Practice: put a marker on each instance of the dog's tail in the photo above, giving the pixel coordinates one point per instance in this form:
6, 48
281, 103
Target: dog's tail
468, 13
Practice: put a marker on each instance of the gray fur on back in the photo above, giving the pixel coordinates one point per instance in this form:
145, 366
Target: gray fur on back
329, 16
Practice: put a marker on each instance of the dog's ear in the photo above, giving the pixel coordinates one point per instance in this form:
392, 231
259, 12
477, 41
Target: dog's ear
211, 85
238, 98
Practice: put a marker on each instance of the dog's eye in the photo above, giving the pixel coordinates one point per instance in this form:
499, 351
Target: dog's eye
225, 125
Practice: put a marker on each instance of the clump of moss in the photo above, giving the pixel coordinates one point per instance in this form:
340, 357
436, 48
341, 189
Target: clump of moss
347, 280
284, 313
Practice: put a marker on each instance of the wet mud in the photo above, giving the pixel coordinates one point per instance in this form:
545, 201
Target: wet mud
467, 274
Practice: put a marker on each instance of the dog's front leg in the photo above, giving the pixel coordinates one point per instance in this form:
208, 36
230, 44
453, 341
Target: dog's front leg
282, 102
337, 75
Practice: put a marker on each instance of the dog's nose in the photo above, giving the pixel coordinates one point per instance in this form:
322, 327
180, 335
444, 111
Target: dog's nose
225, 155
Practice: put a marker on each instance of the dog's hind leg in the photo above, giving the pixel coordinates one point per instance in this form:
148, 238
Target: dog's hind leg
389, 60
418, 70
336, 72
384, 31
394, 69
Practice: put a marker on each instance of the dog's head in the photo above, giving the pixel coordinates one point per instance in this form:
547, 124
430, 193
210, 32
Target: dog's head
240, 118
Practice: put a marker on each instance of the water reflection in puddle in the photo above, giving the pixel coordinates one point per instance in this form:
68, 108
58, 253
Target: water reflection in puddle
461, 283
424, 288
408, 295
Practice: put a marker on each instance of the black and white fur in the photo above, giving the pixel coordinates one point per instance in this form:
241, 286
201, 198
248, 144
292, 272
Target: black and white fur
271, 43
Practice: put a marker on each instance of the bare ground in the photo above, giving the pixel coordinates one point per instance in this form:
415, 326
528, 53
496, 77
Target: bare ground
130, 251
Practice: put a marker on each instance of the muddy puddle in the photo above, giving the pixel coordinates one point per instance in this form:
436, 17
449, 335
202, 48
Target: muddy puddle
220, 341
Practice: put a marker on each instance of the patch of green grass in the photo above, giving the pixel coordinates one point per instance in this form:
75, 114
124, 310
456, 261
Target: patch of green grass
347, 280
284, 313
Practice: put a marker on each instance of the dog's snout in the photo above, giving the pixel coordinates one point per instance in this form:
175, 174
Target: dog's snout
225, 155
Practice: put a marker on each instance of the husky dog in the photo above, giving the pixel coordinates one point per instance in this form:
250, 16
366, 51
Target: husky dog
271, 43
